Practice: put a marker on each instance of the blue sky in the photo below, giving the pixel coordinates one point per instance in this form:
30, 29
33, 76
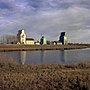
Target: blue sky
49, 17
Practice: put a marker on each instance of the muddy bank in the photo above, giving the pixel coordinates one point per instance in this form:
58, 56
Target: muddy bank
44, 77
16, 47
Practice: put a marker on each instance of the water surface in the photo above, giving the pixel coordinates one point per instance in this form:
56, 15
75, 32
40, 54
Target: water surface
49, 57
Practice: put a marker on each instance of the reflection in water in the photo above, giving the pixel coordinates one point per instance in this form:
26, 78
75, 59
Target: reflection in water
42, 56
23, 57
49, 57
62, 56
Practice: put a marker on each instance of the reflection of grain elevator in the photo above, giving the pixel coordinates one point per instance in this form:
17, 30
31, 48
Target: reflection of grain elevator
21, 37
23, 57
63, 38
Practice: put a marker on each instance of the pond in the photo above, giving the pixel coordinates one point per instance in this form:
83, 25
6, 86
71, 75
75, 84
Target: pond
49, 56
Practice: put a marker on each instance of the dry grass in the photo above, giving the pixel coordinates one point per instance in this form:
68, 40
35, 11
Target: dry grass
7, 60
23, 47
45, 77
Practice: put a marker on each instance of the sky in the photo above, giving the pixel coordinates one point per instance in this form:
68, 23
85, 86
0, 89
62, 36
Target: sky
46, 17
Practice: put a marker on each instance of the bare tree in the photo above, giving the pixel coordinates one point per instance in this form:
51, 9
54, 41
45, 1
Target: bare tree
8, 39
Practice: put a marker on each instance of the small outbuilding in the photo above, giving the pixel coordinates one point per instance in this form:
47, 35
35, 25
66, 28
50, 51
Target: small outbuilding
56, 43
37, 43
30, 41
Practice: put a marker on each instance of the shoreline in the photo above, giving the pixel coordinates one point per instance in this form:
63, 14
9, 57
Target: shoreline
23, 47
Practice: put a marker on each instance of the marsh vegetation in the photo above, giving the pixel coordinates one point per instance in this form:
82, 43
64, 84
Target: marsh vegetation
44, 77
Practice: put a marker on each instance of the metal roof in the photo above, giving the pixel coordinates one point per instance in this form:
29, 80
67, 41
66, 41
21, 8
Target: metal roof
29, 39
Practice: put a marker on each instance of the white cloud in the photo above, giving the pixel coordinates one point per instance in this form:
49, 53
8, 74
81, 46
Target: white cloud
50, 21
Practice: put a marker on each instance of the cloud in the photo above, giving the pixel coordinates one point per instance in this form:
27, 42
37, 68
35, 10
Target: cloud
48, 17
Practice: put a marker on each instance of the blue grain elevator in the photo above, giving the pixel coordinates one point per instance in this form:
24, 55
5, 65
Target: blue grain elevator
63, 38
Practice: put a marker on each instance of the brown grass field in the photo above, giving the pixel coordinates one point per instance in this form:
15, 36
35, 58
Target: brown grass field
23, 47
43, 77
